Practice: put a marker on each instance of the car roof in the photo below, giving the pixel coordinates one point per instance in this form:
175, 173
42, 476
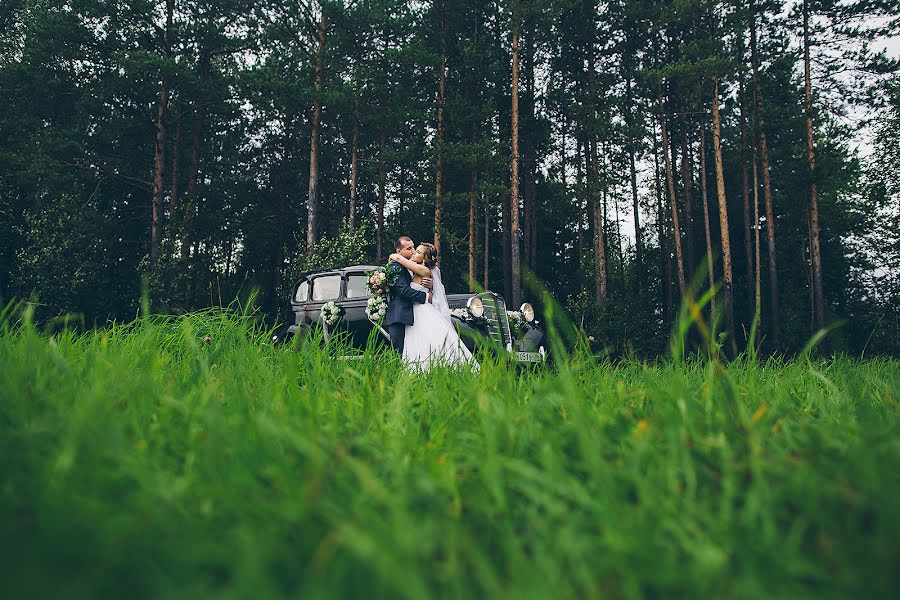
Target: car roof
340, 270
363, 268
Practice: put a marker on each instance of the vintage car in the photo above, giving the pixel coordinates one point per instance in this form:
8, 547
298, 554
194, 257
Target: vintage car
482, 319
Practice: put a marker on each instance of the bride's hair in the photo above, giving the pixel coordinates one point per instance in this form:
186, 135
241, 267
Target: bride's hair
431, 254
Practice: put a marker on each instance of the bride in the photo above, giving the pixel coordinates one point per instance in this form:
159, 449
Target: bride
432, 338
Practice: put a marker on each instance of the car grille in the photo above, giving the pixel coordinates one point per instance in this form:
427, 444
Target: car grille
496, 318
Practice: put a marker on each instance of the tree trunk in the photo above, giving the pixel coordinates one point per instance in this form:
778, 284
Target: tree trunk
815, 248
487, 240
506, 231
619, 252
673, 202
687, 182
727, 282
638, 241
767, 183
704, 195
158, 162
313, 200
579, 174
807, 257
665, 273
774, 304
439, 137
600, 286
563, 162
531, 186
176, 168
528, 158
354, 165
473, 207
159, 158
563, 176
515, 266
401, 200
279, 248
604, 195
757, 266
191, 205
745, 194
665, 282
379, 225
748, 243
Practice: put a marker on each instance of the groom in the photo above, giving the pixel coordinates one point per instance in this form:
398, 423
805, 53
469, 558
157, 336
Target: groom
399, 313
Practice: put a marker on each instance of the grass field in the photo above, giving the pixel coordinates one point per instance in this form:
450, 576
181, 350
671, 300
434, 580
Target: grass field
142, 461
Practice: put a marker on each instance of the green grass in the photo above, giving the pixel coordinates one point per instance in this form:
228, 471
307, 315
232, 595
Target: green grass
140, 461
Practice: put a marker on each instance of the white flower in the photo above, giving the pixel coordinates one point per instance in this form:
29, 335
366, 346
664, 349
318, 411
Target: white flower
376, 308
460, 313
330, 314
516, 316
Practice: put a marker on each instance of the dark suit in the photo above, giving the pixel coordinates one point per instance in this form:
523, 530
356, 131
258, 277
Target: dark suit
400, 308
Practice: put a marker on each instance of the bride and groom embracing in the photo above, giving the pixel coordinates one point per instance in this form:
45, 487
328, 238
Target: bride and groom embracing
418, 315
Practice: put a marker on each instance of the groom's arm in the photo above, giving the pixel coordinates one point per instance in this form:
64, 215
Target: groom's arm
402, 290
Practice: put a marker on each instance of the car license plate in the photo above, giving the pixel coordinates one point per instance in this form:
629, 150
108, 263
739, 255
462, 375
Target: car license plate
534, 357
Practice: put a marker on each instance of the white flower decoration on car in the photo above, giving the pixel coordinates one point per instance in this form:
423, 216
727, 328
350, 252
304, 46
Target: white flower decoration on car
460, 313
376, 308
517, 317
330, 314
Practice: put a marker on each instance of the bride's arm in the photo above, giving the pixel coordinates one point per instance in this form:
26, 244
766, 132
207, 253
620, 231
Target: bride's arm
412, 266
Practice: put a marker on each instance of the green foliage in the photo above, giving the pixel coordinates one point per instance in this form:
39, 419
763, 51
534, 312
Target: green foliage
167, 284
57, 262
81, 83
879, 250
348, 247
189, 457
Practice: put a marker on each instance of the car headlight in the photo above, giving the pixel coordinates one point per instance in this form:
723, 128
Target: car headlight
527, 311
475, 307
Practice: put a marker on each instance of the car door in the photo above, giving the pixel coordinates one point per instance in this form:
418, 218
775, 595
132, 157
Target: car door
299, 303
356, 295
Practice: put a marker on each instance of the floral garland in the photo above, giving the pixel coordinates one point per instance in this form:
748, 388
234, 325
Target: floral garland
379, 284
519, 318
465, 316
331, 313
518, 322
376, 308
462, 314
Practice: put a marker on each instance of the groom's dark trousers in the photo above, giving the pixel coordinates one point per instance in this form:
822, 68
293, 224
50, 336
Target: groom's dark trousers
397, 331
400, 309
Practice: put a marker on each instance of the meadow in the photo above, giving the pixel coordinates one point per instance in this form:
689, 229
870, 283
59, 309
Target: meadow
191, 457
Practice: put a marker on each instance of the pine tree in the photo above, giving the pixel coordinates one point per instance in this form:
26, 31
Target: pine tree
515, 234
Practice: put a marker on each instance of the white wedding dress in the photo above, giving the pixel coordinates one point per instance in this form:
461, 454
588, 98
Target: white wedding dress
432, 339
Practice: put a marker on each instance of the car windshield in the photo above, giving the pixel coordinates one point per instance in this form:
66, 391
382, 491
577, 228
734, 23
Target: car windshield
356, 286
327, 287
